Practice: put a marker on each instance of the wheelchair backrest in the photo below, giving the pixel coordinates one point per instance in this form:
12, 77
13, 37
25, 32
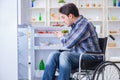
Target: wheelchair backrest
103, 44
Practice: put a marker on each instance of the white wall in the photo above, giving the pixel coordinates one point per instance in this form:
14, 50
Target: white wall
8, 40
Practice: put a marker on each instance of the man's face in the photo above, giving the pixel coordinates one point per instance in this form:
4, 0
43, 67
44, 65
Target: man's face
66, 19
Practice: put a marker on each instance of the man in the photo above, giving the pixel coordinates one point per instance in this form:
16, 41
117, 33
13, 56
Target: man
81, 38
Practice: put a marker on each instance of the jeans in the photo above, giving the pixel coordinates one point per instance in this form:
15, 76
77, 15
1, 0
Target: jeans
65, 61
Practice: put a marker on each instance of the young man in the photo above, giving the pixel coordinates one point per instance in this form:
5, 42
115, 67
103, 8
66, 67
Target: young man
81, 38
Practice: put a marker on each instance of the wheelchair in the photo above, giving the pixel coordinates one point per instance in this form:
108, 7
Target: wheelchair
98, 69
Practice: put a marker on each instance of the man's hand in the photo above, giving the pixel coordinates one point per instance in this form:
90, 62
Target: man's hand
59, 34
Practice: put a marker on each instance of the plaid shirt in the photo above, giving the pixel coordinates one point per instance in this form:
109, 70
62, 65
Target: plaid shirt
82, 37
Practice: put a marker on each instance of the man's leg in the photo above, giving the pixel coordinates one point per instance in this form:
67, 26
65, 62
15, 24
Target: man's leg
51, 64
67, 61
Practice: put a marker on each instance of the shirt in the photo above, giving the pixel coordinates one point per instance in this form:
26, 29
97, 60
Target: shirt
82, 37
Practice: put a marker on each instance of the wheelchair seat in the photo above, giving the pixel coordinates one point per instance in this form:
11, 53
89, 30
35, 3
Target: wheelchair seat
90, 64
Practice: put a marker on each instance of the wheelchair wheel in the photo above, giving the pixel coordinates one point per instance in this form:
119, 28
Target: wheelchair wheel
107, 71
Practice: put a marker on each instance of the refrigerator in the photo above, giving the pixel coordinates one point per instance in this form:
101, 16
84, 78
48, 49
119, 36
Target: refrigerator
22, 40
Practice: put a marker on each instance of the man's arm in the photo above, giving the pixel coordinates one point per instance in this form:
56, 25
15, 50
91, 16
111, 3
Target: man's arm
77, 36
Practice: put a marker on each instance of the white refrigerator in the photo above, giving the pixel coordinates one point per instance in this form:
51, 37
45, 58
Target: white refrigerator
22, 39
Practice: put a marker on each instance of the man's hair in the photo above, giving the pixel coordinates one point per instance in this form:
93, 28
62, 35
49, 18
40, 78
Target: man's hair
69, 8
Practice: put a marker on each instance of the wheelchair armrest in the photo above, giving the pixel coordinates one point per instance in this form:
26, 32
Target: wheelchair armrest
94, 53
